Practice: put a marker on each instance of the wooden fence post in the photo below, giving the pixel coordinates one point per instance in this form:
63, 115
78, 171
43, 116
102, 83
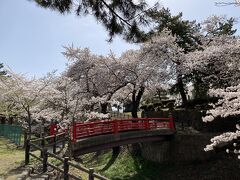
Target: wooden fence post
90, 175
54, 143
42, 145
66, 168
24, 138
64, 140
45, 159
27, 150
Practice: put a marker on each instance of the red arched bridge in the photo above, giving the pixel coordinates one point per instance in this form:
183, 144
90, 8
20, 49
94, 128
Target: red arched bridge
98, 135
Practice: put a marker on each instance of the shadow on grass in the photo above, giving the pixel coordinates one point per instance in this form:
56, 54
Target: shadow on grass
146, 170
7, 145
220, 168
115, 153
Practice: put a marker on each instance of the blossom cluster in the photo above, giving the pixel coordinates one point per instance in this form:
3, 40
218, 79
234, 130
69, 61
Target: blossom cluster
223, 138
92, 116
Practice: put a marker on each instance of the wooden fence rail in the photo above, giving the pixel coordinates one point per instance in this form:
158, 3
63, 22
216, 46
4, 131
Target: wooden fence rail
44, 159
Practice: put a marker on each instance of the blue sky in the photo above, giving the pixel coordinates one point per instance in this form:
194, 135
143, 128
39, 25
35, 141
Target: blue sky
32, 38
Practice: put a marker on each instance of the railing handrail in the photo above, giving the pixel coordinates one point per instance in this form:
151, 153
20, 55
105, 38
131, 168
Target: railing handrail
86, 129
48, 137
119, 120
113, 120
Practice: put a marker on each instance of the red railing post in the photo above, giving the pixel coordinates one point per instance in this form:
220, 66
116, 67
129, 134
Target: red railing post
53, 128
74, 132
146, 123
91, 129
115, 127
171, 123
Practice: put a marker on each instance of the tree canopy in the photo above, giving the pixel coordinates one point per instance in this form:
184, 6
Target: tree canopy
186, 32
118, 16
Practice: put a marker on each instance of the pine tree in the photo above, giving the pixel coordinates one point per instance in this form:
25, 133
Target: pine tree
187, 37
118, 16
186, 32
2, 72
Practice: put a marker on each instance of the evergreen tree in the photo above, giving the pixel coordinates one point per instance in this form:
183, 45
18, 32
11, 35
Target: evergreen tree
2, 72
219, 25
186, 32
187, 37
117, 16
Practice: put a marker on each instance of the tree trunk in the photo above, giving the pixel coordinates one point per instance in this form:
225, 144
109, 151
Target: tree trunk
3, 119
181, 90
136, 101
104, 108
134, 110
29, 123
200, 88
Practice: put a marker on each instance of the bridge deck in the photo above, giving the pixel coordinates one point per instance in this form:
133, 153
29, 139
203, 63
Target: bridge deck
100, 142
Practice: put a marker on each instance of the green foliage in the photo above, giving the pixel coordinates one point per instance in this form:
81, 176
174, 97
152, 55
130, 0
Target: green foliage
118, 17
217, 26
187, 37
200, 90
129, 167
185, 31
226, 28
2, 72
126, 166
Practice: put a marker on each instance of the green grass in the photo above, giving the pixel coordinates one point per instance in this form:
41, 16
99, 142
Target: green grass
129, 167
125, 167
11, 157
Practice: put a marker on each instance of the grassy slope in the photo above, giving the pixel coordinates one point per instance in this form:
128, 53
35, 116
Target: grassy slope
125, 167
10, 157
133, 168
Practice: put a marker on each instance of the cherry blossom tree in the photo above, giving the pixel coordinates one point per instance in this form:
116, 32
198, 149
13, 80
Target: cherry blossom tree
98, 77
228, 105
149, 68
101, 77
24, 95
219, 65
64, 98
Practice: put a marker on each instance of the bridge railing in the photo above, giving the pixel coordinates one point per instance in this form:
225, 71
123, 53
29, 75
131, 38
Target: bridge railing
86, 129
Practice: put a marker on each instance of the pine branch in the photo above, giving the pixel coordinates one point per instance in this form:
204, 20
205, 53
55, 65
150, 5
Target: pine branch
113, 12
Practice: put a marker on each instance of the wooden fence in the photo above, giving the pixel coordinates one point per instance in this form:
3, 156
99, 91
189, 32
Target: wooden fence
65, 162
